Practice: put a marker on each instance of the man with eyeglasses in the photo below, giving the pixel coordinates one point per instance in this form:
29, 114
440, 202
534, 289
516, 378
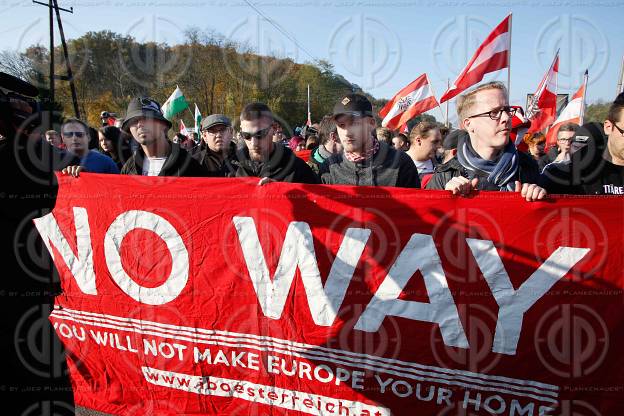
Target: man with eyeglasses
75, 136
365, 160
263, 158
595, 167
487, 159
560, 152
216, 151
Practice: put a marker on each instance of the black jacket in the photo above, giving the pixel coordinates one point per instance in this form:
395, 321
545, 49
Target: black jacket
388, 167
589, 170
28, 189
282, 166
528, 172
214, 163
178, 163
604, 178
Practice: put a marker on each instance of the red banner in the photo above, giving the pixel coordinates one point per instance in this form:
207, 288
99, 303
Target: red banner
216, 296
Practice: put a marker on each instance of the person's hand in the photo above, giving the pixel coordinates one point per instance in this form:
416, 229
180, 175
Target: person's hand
530, 191
265, 180
72, 170
461, 186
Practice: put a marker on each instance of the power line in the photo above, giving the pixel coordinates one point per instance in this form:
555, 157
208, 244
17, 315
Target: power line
282, 31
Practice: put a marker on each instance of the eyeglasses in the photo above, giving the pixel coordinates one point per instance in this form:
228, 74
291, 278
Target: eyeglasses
215, 131
565, 139
618, 129
79, 134
260, 134
497, 112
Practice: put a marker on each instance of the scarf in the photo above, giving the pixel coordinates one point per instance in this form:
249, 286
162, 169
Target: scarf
500, 171
355, 158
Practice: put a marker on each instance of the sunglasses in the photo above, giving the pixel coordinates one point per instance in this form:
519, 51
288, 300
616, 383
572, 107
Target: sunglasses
78, 134
617, 127
260, 134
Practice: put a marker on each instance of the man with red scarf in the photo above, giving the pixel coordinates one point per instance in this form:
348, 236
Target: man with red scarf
364, 159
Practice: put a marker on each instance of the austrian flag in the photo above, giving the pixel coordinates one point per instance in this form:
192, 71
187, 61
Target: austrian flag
542, 110
492, 55
411, 101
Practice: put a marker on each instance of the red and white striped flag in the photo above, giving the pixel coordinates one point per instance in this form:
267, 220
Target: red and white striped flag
492, 55
519, 126
411, 101
183, 129
573, 113
542, 110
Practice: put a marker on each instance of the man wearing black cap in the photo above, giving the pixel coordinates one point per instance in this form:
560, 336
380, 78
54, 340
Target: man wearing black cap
216, 151
34, 375
449, 143
596, 165
365, 160
263, 158
156, 155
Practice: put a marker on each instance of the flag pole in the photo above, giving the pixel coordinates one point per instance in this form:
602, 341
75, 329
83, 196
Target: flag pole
309, 113
582, 115
556, 89
620, 85
434, 94
509, 59
446, 118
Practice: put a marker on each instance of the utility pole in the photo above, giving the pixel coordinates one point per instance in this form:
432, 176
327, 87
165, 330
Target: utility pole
53, 7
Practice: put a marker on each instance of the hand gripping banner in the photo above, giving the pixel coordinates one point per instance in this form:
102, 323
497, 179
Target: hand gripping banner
216, 296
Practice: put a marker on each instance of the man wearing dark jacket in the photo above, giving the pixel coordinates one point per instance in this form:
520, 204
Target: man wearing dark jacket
597, 167
487, 160
261, 157
329, 143
34, 372
364, 159
156, 155
216, 151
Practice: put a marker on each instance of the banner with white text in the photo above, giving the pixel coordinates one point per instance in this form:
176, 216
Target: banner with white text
217, 296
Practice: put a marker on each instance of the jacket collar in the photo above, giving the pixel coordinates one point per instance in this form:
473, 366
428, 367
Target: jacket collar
172, 157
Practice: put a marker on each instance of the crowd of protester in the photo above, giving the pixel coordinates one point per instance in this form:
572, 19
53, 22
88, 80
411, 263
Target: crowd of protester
347, 147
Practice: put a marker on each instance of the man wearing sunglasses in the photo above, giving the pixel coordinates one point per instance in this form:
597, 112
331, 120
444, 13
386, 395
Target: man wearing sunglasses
365, 160
487, 159
263, 158
596, 165
75, 136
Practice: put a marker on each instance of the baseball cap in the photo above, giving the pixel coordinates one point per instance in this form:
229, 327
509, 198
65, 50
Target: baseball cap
355, 105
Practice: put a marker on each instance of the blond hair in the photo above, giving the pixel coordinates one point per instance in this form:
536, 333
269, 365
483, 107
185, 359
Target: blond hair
422, 129
467, 100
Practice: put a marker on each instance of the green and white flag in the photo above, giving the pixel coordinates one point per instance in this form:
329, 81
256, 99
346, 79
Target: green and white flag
198, 119
174, 104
